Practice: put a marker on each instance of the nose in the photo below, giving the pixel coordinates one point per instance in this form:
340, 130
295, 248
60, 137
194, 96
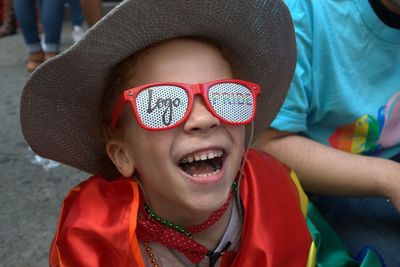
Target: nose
200, 120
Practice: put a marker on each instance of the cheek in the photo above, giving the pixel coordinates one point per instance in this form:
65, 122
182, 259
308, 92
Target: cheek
155, 145
238, 134
135, 137
160, 138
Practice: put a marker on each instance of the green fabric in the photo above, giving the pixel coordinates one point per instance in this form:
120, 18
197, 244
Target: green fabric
331, 252
371, 259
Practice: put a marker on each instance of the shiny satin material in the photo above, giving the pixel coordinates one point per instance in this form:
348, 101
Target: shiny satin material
274, 231
95, 226
98, 219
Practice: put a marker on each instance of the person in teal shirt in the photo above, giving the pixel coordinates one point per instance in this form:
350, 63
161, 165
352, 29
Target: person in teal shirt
339, 127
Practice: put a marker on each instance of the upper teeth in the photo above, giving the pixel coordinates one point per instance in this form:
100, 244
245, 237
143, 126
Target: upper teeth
202, 156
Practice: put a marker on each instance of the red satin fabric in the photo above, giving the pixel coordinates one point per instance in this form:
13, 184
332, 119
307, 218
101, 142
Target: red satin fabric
98, 221
94, 226
274, 232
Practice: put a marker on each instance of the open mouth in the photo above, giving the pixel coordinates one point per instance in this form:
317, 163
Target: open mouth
202, 164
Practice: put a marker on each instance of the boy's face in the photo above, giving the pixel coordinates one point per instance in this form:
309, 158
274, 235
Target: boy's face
176, 189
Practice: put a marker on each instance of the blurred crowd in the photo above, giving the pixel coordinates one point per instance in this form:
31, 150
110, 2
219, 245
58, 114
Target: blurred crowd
40, 23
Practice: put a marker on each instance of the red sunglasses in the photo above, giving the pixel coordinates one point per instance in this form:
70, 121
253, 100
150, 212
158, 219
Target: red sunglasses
162, 106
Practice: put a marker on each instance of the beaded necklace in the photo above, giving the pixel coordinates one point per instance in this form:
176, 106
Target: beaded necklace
191, 249
150, 253
198, 228
215, 216
153, 259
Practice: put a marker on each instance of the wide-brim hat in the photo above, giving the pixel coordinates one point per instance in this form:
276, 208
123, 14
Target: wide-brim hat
61, 99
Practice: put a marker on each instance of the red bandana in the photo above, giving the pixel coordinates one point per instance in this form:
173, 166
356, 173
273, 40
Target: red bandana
149, 229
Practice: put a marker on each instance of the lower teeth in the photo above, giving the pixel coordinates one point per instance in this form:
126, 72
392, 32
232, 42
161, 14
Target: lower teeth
206, 174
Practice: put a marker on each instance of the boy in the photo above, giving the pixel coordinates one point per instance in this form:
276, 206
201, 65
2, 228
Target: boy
156, 108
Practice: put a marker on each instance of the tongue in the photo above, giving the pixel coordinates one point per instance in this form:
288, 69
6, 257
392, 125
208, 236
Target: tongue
199, 167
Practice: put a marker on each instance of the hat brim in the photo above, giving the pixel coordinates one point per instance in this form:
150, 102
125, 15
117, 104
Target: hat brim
60, 101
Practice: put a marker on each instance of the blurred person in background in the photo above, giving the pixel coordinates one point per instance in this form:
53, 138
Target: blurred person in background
76, 19
339, 127
51, 16
8, 26
92, 10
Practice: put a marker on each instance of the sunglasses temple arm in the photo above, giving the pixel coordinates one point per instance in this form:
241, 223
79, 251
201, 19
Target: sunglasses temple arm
246, 152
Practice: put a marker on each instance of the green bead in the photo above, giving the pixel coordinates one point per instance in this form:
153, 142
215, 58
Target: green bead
165, 222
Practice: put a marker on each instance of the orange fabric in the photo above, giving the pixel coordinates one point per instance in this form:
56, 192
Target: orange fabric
98, 221
132, 226
94, 225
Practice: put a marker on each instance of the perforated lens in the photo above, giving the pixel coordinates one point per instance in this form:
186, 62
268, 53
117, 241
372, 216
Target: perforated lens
231, 101
162, 106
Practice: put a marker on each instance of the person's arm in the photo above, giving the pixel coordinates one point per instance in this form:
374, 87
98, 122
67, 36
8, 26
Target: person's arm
326, 170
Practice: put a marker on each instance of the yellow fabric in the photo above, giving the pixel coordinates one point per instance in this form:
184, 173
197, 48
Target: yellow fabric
302, 194
312, 255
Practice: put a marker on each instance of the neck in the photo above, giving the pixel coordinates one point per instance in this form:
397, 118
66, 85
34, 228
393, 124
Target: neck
179, 215
211, 236
186, 216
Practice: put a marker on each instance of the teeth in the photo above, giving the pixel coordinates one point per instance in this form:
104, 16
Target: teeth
208, 174
198, 157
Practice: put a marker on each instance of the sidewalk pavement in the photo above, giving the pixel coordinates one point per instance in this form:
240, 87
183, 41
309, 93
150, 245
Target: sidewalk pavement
30, 195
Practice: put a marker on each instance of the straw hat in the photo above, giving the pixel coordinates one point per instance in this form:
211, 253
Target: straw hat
61, 98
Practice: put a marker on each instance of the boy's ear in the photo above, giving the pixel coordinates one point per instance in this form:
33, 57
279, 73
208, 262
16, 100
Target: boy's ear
123, 161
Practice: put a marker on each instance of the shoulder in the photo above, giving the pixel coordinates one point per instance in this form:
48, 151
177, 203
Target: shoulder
271, 206
96, 199
267, 174
98, 189
266, 163
262, 172
95, 214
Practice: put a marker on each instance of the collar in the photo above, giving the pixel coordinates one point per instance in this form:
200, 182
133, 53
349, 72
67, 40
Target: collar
375, 25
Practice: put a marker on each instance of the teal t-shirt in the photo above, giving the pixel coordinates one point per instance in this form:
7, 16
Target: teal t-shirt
346, 88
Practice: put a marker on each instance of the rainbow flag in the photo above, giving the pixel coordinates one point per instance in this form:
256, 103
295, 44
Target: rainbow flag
327, 249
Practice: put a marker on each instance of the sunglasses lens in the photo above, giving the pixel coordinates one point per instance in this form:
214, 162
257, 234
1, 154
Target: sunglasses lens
162, 106
232, 101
